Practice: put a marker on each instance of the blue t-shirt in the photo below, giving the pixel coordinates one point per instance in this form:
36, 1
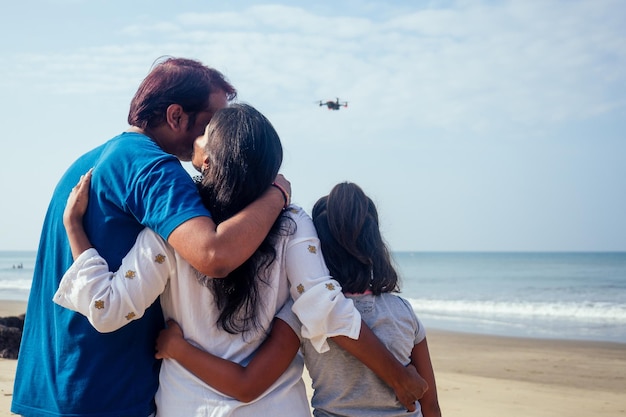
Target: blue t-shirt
65, 367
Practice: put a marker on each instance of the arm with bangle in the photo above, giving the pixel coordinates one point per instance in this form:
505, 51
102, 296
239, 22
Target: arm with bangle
284, 192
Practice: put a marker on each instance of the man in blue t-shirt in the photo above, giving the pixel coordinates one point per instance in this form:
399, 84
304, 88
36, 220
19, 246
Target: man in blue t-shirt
67, 368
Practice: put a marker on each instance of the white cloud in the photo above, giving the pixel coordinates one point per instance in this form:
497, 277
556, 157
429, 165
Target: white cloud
479, 67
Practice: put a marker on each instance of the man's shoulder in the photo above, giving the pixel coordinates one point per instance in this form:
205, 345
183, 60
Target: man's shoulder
134, 153
135, 144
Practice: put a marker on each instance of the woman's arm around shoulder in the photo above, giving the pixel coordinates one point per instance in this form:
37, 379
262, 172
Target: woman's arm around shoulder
216, 250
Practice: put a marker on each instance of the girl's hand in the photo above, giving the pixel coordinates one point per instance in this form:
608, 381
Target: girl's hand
168, 340
77, 201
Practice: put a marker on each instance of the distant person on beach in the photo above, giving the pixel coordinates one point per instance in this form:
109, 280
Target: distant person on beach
65, 367
240, 154
354, 250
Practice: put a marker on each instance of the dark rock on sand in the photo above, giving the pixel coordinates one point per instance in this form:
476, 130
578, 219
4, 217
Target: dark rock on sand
10, 336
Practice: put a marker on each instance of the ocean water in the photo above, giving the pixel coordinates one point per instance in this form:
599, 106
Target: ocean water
16, 274
579, 296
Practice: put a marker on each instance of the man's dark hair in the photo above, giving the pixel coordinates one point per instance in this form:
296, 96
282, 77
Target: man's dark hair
176, 81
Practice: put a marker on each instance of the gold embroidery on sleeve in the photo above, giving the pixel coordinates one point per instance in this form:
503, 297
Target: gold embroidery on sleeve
99, 304
300, 288
130, 274
130, 316
160, 258
330, 286
312, 249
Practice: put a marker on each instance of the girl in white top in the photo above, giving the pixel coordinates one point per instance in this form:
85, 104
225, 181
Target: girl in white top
240, 155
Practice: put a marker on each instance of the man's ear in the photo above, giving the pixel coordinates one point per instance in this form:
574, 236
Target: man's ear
175, 116
205, 164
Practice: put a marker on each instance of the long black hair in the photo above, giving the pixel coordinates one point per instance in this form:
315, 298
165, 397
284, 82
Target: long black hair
354, 250
244, 156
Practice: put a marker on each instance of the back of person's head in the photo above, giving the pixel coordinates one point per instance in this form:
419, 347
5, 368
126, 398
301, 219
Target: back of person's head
354, 250
175, 81
244, 155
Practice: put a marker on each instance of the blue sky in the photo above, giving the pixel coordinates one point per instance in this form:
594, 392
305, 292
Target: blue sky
474, 125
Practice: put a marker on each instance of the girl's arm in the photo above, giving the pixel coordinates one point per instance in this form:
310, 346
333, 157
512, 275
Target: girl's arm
111, 300
420, 358
244, 383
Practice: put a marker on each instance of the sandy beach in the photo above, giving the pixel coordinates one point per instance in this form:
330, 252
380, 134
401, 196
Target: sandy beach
490, 376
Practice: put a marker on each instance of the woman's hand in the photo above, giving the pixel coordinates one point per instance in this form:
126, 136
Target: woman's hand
77, 201
169, 340
73, 216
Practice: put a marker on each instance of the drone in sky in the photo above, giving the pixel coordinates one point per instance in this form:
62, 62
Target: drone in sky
334, 105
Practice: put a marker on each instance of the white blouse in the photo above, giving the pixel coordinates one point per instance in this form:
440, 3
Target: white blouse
152, 268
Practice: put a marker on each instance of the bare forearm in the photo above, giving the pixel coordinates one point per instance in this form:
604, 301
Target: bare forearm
243, 383
240, 236
79, 242
430, 408
218, 250
226, 376
420, 358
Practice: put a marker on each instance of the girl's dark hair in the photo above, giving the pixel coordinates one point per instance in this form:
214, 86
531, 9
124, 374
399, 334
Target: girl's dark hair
180, 81
244, 156
355, 253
